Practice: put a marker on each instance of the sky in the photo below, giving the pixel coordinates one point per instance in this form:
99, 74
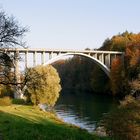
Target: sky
73, 24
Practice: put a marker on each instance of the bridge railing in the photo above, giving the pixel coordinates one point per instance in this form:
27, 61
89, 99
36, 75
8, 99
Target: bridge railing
31, 54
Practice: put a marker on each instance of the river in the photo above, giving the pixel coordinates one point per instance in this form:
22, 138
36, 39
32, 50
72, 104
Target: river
84, 110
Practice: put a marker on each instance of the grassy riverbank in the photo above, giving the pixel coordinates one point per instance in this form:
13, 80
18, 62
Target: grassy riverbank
18, 122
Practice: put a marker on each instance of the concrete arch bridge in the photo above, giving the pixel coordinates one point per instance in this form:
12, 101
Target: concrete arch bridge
48, 56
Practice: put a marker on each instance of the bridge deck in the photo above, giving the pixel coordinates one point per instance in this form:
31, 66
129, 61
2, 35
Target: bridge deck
62, 51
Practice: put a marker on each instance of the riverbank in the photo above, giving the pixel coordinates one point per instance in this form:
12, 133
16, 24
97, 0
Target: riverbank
30, 123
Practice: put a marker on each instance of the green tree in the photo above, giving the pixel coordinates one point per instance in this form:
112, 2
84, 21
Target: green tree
43, 85
75, 74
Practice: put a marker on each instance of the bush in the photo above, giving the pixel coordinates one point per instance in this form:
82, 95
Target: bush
123, 123
18, 101
5, 101
6, 91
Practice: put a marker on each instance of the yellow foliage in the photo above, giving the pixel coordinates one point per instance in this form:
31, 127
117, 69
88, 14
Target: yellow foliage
43, 85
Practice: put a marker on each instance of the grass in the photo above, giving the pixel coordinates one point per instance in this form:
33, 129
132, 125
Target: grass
20, 122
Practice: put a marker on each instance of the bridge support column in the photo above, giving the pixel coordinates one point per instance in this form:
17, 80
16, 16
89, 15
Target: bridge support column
50, 55
43, 57
18, 92
34, 58
95, 55
89, 54
26, 59
109, 60
100, 57
58, 53
103, 58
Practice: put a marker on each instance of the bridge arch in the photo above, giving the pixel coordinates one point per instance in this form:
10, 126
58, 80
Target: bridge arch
96, 61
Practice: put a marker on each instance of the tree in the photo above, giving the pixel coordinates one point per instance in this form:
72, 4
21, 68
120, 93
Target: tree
11, 32
119, 85
117, 42
11, 35
43, 85
99, 81
116, 76
130, 44
133, 59
123, 123
135, 87
75, 74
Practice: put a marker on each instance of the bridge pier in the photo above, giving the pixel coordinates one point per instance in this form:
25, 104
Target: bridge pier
109, 60
50, 55
34, 58
96, 56
103, 58
100, 57
18, 93
26, 59
43, 58
58, 53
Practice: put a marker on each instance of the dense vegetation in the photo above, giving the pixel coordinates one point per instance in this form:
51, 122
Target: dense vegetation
127, 72
79, 74
124, 122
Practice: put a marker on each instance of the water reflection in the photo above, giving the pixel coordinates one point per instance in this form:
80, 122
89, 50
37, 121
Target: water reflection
84, 110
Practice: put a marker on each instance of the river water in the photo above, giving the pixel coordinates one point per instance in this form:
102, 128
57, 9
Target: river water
84, 110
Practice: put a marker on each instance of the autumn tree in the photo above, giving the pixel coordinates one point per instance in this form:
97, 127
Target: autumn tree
116, 76
130, 44
123, 123
117, 42
119, 84
133, 58
43, 85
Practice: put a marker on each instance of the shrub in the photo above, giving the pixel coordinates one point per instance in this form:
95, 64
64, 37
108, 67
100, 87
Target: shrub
18, 101
123, 123
5, 101
6, 91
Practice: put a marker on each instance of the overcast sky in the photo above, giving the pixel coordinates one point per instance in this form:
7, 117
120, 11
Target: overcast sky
73, 24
